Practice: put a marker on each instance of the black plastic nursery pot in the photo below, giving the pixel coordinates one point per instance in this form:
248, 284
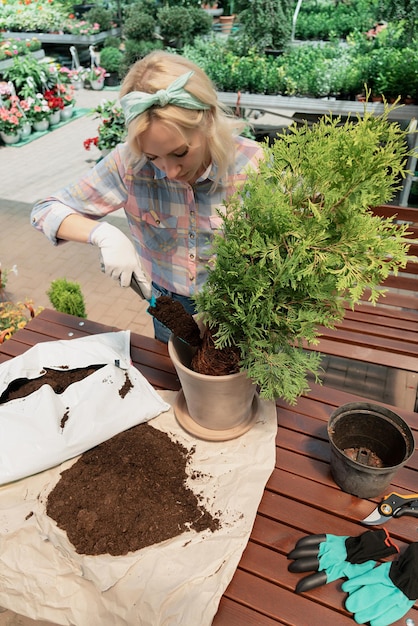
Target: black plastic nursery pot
369, 444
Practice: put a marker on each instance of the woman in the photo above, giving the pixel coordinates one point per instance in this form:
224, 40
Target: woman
182, 158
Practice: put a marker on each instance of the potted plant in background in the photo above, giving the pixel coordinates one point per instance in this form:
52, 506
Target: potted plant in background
297, 242
38, 112
227, 18
56, 105
95, 77
111, 130
66, 92
74, 76
111, 60
11, 118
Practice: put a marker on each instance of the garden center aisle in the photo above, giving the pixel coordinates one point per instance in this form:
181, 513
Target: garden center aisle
33, 171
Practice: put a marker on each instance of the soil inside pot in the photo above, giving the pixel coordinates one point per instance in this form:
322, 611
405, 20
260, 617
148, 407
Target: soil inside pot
128, 493
208, 359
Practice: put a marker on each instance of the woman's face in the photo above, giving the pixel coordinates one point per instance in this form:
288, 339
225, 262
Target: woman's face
182, 156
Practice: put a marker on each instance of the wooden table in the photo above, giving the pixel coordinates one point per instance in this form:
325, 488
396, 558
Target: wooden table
300, 497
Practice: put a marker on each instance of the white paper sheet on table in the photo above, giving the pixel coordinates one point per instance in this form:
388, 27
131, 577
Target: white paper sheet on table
175, 583
31, 436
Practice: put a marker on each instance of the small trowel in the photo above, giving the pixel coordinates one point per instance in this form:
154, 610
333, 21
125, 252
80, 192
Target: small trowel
136, 286
178, 321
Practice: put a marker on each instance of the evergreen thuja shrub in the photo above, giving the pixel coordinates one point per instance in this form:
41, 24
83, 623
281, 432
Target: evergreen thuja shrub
299, 240
67, 297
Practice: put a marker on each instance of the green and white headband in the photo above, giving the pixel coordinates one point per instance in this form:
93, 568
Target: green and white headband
136, 102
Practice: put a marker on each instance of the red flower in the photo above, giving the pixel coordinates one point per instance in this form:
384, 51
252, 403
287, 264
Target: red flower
55, 102
88, 142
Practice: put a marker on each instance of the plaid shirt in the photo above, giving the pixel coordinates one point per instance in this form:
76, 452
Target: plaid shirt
172, 224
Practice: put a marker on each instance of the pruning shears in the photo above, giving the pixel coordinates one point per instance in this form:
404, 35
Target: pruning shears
393, 505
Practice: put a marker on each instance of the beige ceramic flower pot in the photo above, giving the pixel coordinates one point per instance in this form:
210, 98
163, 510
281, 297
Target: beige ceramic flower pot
211, 407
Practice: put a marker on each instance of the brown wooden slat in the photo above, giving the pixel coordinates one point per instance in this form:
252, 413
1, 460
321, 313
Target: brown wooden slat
390, 299
321, 400
380, 341
232, 614
413, 246
401, 282
271, 599
406, 214
372, 326
410, 268
365, 354
384, 316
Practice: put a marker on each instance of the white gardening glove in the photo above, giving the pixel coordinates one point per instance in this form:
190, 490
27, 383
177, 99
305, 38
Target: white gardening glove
119, 258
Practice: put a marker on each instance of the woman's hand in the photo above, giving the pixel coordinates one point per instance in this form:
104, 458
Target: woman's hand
119, 257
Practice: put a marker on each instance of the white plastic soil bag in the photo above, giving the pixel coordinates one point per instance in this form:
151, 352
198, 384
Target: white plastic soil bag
35, 435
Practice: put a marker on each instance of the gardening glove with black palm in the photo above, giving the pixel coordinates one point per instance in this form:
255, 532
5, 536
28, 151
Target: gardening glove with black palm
119, 258
331, 557
384, 594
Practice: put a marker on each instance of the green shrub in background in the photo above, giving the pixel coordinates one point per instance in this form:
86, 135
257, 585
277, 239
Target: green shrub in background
138, 25
101, 16
404, 12
66, 297
179, 25
112, 42
336, 20
230, 72
111, 59
310, 70
266, 24
176, 25
202, 22
135, 50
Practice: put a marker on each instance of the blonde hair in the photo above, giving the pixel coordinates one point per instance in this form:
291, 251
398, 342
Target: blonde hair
157, 71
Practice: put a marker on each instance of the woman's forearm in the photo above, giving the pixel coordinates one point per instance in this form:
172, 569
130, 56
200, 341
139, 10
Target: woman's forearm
76, 228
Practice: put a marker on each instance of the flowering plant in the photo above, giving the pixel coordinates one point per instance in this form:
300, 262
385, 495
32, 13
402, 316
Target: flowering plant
95, 73
14, 316
55, 102
73, 75
66, 92
11, 116
36, 108
111, 130
11, 48
80, 27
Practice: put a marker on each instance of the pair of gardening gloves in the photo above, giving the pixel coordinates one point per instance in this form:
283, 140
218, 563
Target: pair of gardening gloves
377, 593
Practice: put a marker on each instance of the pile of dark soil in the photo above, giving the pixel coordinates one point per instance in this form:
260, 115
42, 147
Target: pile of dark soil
127, 493
174, 316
